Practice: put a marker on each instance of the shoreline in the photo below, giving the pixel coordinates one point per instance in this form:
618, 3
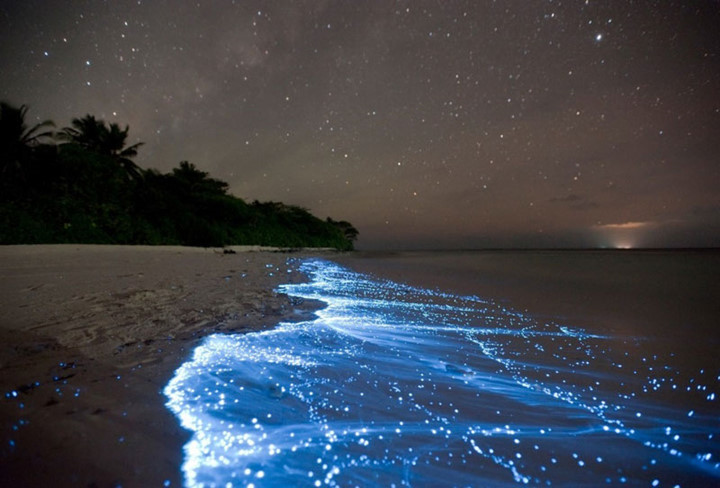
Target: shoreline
408, 369
90, 336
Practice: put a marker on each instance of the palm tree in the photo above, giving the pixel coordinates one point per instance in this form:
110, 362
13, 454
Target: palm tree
195, 181
115, 139
16, 138
86, 132
108, 140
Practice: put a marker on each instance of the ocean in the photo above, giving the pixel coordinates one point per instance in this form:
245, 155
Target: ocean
554, 368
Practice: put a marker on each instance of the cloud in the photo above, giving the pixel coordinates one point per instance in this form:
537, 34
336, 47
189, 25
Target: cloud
626, 225
575, 202
572, 198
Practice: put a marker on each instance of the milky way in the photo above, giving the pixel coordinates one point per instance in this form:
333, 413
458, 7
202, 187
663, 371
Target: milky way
425, 124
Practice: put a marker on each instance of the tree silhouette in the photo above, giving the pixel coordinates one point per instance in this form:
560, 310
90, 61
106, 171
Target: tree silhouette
16, 138
86, 132
108, 140
87, 190
195, 181
349, 232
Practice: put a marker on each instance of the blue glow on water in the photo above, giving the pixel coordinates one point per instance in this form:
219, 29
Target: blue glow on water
394, 385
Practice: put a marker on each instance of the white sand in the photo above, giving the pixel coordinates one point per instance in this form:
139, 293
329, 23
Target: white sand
89, 336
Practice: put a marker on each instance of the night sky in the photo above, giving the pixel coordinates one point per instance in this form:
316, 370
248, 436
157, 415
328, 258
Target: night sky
426, 124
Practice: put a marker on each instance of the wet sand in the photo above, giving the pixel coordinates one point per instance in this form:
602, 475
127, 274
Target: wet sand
400, 385
90, 335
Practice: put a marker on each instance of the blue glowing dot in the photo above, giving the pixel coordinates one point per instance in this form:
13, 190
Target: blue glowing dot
390, 381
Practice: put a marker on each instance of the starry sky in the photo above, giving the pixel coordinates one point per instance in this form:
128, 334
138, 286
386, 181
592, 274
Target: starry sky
442, 124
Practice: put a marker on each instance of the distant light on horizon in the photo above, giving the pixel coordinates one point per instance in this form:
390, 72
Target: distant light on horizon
622, 240
624, 235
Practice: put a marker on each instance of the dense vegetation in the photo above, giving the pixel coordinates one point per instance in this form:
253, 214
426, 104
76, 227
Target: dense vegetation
80, 185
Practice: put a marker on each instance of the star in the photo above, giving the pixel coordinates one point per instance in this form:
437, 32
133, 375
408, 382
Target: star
309, 98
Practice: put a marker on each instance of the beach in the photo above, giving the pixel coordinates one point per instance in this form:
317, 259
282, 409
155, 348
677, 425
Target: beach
468, 369
89, 336
490, 368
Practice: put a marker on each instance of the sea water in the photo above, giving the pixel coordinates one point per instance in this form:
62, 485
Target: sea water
394, 385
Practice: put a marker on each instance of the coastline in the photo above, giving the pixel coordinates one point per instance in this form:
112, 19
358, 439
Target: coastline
91, 334
391, 381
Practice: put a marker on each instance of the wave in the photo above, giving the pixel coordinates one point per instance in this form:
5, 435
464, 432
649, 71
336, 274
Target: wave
393, 385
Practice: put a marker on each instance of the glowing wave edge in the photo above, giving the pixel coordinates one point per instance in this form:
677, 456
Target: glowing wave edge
398, 386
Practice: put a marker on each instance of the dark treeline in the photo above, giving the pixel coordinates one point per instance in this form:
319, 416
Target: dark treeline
80, 185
